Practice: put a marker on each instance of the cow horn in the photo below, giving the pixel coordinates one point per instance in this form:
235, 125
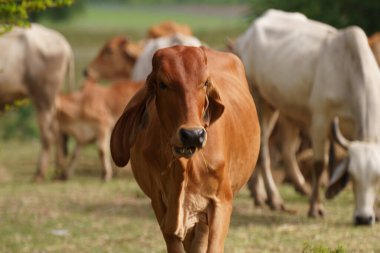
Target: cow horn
337, 135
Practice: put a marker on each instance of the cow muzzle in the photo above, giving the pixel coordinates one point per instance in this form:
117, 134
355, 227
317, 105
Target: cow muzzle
364, 220
191, 140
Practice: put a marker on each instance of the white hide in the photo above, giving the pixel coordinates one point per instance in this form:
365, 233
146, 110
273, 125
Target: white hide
26, 56
143, 64
311, 73
365, 173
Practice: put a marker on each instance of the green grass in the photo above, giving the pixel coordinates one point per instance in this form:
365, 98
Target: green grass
117, 217
86, 215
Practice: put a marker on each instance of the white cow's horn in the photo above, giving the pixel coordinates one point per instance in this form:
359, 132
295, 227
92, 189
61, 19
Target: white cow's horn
337, 135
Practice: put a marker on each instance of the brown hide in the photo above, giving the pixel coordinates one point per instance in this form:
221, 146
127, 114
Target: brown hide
115, 60
89, 114
191, 189
374, 43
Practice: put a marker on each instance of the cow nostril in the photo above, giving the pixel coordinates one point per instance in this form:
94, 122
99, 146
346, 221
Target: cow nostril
192, 137
185, 134
364, 220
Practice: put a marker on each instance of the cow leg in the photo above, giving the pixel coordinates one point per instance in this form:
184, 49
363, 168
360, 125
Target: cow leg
268, 121
257, 189
290, 145
319, 140
219, 221
69, 168
105, 154
61, 153
173, 243
46, 125
199, 243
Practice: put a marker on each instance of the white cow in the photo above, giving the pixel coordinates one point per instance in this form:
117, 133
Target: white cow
143, 65
310, 73
33, 63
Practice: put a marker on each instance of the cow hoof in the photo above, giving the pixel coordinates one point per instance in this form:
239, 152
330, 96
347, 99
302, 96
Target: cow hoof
259, 202
106, 178
61, 177
276, 205
303, 189
38, 178
316, 211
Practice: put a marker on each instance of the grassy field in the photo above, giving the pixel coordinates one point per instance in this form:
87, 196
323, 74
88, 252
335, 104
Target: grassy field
85, 215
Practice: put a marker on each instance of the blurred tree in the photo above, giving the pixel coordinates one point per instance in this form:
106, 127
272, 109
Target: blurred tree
60, 13
16, 12
338, 13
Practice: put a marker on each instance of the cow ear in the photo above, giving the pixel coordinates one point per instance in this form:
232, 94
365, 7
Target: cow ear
130, 122
339, 179
214, 106
133, 50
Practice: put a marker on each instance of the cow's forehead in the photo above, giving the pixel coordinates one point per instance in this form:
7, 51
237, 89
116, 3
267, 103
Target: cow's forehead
364, 160
181, 64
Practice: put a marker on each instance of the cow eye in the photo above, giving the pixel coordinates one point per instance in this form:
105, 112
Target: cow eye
162, 86
206, 84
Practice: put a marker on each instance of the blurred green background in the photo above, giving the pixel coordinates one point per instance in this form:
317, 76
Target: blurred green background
87, 24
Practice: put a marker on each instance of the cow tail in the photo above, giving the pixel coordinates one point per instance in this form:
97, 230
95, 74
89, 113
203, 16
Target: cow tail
71, 73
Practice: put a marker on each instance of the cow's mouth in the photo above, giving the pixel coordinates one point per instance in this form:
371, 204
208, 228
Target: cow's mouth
184, 151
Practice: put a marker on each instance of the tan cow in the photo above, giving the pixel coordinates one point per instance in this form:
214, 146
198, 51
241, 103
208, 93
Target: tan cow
192, 136
374, 43
88, 115
115, 60
168, 28
33, 63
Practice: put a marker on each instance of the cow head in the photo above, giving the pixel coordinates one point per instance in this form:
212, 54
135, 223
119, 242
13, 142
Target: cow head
362, 166
185, 99
115, 60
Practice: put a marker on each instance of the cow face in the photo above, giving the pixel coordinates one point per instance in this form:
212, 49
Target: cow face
363, 168
185, 98
115, 60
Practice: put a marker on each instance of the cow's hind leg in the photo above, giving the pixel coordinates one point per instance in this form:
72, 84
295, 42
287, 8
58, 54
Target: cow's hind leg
196, 240
257, 189
67, 169
45, 118
290, 145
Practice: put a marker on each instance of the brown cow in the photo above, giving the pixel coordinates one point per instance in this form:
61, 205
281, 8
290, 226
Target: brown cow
374, 43
192, 135
168, 28
88, 115
115, 60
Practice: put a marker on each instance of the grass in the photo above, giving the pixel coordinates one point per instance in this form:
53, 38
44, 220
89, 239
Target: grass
85, 215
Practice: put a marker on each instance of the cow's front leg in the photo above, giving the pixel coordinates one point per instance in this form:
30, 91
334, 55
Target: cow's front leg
173, 244
104, 138
319, 141
219, 221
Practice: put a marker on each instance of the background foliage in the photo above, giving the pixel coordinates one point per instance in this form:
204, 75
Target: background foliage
17, 12
338, 13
